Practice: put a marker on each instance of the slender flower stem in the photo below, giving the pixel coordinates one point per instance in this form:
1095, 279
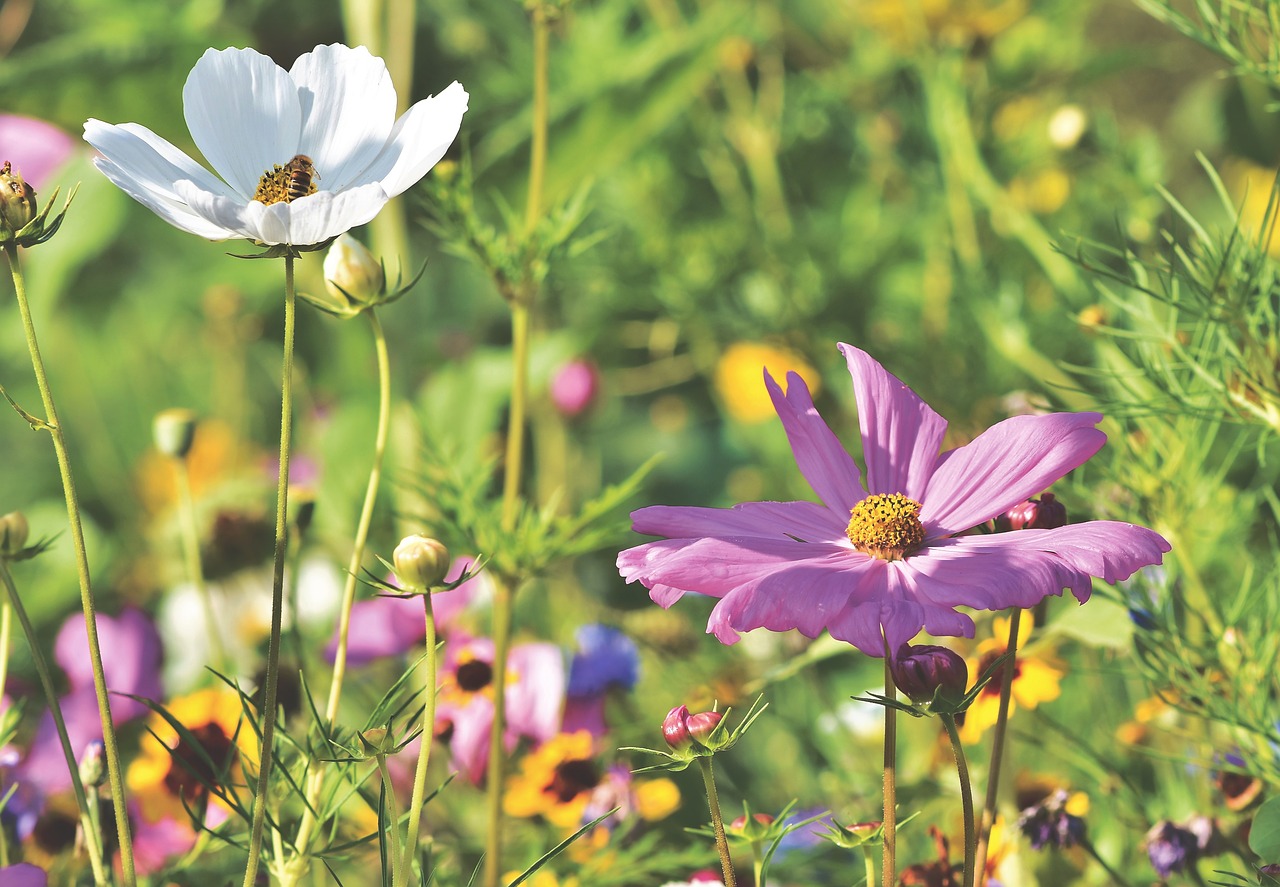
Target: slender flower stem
717, 821
195, 569
315, 781
869, 862
514, 463
93, 846
966, 799
6, 629
757, 864
54, 427
889, 864
1116, 878
997, 744
393, 820
418, 798
272, 680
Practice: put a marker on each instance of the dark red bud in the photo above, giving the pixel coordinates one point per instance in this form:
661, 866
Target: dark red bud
1045, 513
925, 670
703, 724
675, 727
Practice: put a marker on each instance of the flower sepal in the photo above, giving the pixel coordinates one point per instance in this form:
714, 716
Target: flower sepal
941, 703
762, 830
281, 250
701, 743
35, 228
388, 589
355, 281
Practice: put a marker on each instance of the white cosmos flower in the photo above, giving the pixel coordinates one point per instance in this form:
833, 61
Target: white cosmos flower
249, 117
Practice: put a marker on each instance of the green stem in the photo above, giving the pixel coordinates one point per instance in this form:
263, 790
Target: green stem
997, 744
869, 863
38, 659
6, 630
87, 605
494, 777
393, 820
966, 800
272, 680
1116, 878
195, 569
418, 798
757, 864
890, 833
717, 821
315, 781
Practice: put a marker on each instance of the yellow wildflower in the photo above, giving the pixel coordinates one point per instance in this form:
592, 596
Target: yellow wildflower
739, 378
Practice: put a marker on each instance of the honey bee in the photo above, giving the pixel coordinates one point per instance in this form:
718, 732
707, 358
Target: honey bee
301, 173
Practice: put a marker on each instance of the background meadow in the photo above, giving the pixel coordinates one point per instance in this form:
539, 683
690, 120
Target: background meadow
1013, 206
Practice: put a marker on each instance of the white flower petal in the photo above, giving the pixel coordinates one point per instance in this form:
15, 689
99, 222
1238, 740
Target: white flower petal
244, 115
418, 141
229, 213
172, 210
147, 158
325, 214
348, 109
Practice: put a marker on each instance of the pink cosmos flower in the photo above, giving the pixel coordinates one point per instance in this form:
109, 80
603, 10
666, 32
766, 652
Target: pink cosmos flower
34, 147
874, 564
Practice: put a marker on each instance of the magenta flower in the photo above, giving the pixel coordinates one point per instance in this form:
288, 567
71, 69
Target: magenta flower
874, 564
34, 147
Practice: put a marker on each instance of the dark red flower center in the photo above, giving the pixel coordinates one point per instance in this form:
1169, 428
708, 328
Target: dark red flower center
572, 778
474, 676
192, 770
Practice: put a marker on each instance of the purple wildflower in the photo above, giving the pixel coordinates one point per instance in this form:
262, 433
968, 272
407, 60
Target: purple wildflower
606, 658
24, 874
1171, 848
1048, 824
873, 565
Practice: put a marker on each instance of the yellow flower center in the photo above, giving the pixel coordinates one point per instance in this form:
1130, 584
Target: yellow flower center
886, 526
282, 184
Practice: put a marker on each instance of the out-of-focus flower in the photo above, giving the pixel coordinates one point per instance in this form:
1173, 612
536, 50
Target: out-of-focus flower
702, 878
131, 663
464, 714
575, 387
24, 874
170, 774
556, 781
949, 22
1051, 823
304, 155
606, 659
392, 626
933, 874
1250, 187
1067, 126
1239, 788
1042, 192
737, 378
173, 431
873, 566
1036, 678
33, 146
651, 800
1173, 848
215, 457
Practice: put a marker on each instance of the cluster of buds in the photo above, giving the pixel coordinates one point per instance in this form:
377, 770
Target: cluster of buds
692, 736
1045, 513
355, 280
20, 223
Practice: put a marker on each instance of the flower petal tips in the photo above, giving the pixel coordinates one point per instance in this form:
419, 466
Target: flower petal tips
301, 156
874, 566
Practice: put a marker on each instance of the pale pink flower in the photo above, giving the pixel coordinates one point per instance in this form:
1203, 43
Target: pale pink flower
879, 559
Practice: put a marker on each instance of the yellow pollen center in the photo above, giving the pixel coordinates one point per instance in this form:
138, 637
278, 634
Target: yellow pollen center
886, 526
277, 185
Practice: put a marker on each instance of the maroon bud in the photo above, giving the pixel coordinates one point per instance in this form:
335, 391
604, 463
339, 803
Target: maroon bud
928, 671
675, 728
1045, 513
574, 387
702, 725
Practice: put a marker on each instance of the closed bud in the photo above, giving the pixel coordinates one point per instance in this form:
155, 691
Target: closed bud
928, 672
1045, 513
702, 725
17, 199
352, 274
374, 740
574, 387
13, 533
93, 770
305, 502
754, 828
173, 431
675, 728
421, 562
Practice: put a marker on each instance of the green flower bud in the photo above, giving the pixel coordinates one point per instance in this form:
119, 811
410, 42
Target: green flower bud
352, 274
93, 769
173, 430
17, 199
421, 562
13, 533
375, 741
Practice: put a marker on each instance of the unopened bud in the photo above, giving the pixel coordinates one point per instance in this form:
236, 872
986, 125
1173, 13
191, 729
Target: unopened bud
421, 562
1045, 513
675, 728
17, 199
928, 671
351, 273
173, 431
702, 725
374, 740
305, 502
93, 770
574, 387
13, 533
753, 828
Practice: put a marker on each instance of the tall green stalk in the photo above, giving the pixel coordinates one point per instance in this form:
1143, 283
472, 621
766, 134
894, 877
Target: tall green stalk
966, 799
93, 836
52, 424
997, 744
506, 586
418, 798
195, 569
717, 821
272, 680
889, 864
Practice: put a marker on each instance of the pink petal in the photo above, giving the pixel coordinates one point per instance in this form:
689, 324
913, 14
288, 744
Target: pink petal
901, 434
825, 464
1009, 462
535, 698
806, 521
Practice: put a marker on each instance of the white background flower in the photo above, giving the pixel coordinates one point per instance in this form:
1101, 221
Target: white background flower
247, 115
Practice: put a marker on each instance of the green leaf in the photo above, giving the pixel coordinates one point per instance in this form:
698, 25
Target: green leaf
1264, 834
